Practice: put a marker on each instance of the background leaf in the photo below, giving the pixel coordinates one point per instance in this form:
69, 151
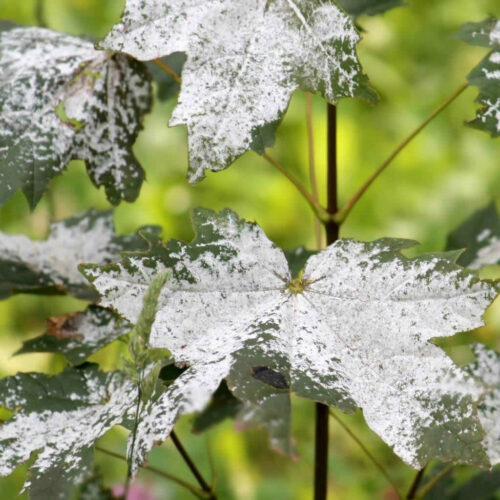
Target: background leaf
480, 237
486, 75
60, 99
51, 266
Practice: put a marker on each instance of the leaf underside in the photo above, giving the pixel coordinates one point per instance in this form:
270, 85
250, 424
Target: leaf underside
480, 237
51, 266
60, 100
486, 75
245, 58
352, 331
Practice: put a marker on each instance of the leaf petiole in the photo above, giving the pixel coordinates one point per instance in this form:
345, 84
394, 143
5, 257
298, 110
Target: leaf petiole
342, 214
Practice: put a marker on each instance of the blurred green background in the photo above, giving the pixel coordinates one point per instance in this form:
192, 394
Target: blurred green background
448, 172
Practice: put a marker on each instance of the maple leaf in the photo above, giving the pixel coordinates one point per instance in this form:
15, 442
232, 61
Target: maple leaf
50, 266
486, 75
245, 58
480, 237
60, 417
78, 335
60, 99
357, 8
487, 370
352, 331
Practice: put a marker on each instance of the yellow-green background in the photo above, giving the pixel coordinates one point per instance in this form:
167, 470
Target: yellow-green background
448, 172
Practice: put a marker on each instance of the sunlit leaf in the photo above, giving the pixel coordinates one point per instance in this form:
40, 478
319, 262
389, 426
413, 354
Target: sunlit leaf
352, 331
245, 58
60, 99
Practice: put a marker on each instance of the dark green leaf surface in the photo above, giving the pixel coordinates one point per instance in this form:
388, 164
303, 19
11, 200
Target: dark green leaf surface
481, 486
51, 266
353, 330
245, 58
358, 8
222, 405
77, 336
60, 417
486, 75
60, 99
480, 237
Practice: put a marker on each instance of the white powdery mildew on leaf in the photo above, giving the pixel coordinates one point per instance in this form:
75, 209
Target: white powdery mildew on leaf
489, 252
63, 436
61, 99
487, 370
353, 331
486, 76
245, 58
34, 265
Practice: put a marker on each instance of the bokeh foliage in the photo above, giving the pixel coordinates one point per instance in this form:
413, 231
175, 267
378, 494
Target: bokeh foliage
414, 61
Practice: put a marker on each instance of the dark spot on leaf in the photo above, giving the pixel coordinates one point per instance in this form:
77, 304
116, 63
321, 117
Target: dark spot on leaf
270, 377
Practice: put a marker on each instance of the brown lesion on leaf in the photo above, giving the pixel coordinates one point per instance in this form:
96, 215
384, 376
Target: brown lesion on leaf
61, 327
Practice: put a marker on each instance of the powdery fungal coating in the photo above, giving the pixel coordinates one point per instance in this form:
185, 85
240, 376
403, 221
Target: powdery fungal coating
486, 76
60, 99
479, 237
52, 265
487, 370
489, 253
245, 58
63, 427
355, 334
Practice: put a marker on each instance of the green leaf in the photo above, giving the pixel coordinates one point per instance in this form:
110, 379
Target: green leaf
167, 87
79, 335
487, 370
358, 8
353, 330
59, 417
245, 58
50, 266
222, 405
486, 75
60, 99
481, 486
480, 237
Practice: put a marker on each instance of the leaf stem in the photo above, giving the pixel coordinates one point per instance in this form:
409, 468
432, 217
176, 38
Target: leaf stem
422, 492
312, 166
318, 210
342, 214
40, 13
367, 452
192, 466
199, 493
415, 484
332, 234
165, 67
